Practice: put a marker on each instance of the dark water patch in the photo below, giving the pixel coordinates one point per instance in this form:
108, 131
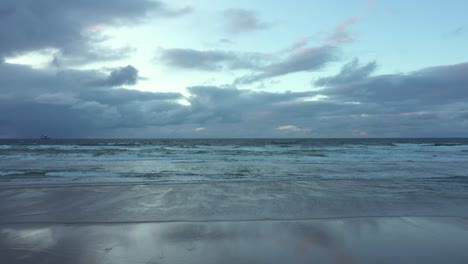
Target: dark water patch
450, 178
189, 162
309, 153
60, 151
109, 152
202, 152
446, 144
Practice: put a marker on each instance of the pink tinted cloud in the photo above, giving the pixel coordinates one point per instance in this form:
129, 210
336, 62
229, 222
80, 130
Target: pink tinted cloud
348, 22
341, 34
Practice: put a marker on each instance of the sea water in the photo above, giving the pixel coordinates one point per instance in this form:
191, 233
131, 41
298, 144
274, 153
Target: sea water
172, 161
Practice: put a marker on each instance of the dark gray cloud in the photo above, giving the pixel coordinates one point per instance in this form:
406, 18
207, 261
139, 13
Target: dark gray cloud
72, 103
304, 60
236, 112
212, 60
122, 96
262, 66
435, 85
215, 104
127, 75
239, 20
69, 26
349, 73
429, 102
77, 103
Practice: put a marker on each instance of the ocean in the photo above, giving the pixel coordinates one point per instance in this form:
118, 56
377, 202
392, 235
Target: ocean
173, 161
234, 201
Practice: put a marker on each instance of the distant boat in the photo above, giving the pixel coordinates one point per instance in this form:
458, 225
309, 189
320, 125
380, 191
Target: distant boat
44, 137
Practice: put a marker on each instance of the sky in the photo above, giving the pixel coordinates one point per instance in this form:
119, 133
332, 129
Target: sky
225, 69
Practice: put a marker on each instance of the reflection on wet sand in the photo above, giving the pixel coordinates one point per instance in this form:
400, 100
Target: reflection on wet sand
360, 240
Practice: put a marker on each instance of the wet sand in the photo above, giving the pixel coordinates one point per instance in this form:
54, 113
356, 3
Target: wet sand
282, 222
359, 240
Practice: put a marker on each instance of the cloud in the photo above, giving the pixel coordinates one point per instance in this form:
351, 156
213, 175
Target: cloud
87, 53
304, 60
211, 60
297, 45
350, 72
261, 66
458, 31
341, 34
429, 86
93, 103
242, 21
31, 25
298, 57
166, 11
427, 102
225, 41
123, 76
81, 103
75, 103
56, 99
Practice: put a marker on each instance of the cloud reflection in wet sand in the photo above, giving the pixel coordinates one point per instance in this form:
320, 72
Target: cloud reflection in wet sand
361, 240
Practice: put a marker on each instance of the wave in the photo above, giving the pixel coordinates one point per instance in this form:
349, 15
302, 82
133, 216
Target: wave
182, 161
447, 144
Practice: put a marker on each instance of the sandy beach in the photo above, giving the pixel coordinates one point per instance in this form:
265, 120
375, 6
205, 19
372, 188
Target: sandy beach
275, 222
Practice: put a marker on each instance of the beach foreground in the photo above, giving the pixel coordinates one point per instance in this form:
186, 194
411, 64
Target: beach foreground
269, 222
358, 240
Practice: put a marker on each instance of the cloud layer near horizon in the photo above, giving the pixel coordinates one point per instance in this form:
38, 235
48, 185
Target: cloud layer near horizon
428, 102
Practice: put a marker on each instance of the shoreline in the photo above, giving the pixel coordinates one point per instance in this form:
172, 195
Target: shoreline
240, 201
7, 184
